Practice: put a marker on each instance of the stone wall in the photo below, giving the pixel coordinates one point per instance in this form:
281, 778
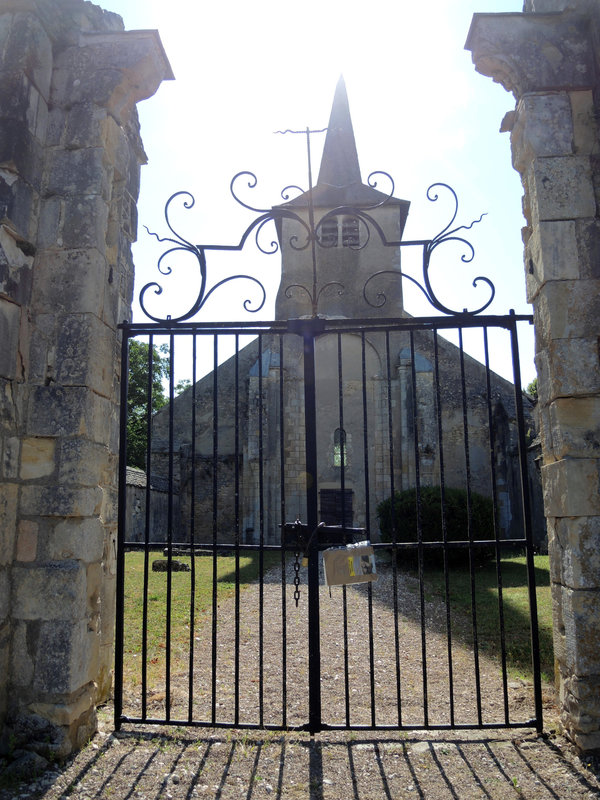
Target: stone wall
70, 153
548, 57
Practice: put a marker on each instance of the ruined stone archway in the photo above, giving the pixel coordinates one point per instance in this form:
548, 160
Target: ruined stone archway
549, 61
70, 153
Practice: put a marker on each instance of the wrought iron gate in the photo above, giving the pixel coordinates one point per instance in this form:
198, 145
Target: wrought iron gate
289, 421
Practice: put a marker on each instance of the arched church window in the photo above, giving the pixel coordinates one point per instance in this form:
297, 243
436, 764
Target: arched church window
350, 232
340, 454
328, 232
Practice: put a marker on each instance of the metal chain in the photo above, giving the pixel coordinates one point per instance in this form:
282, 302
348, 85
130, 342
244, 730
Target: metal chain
297, 577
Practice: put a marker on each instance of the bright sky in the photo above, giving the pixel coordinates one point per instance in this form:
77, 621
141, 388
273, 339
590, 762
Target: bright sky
420, 112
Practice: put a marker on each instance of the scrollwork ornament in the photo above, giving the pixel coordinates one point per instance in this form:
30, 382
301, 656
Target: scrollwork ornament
182, 245
446, 235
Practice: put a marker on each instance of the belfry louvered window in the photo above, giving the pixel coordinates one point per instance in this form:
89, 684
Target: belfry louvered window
328, 232
350, 232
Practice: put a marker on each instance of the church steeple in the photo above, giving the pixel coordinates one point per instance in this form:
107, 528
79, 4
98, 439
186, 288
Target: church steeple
339, 163
339, 234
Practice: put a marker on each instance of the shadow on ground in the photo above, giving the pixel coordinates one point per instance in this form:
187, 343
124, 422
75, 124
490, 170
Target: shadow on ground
186, 763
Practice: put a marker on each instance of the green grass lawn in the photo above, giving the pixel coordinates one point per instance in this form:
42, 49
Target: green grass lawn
181, 593
515, 605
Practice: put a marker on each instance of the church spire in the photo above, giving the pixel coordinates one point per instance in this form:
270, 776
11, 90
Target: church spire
339, 163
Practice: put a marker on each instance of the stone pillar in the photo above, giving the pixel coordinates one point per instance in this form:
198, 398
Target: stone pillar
550, 62
70, 154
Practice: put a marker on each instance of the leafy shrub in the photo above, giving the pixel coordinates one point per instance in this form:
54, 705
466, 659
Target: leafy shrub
404, 519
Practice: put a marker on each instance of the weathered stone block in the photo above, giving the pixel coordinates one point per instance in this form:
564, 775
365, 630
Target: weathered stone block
4, 594
71, 280
116, 146
104, 678
10, 457
77, 172
4, 665
65, 714
582, 710
94, 588
57, 121
55, 591
85, 223
551, 254
37, 115
18, 205
588, 240
574, 544
10, 321
108, 512
114, 70
543, 127
37, 458
527, 53
574, 427
81, 540
558, 628
70, 411
42, 351
21, 657
561, 188
21, 150
567, 309
65, 652
571, 488
85, 463
568, 368
8, 521
29, 49
581, 615
49, 233
16, 262
84, 354
84, 125
60, 501
585, 130
27, 540
15, 96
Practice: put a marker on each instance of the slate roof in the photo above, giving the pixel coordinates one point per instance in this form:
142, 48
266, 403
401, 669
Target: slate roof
137, 477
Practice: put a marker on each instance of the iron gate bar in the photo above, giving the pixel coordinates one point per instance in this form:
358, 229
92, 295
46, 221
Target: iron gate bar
283, 516
470, 525
149, 405
368, 521
533, 618
495, 523
323, 325
215, 477
121, 517
413, 377
236, 712
393, 515
343, 503
261, 526
438, 406
192, 538
170, 524
308, 328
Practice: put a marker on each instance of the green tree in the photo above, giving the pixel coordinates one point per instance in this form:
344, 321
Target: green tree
182, 385
137, 396
532, 388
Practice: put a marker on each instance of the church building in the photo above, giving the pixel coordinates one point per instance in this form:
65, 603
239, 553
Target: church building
395, 407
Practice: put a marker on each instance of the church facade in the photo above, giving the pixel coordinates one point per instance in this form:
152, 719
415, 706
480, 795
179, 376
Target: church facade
397, 404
